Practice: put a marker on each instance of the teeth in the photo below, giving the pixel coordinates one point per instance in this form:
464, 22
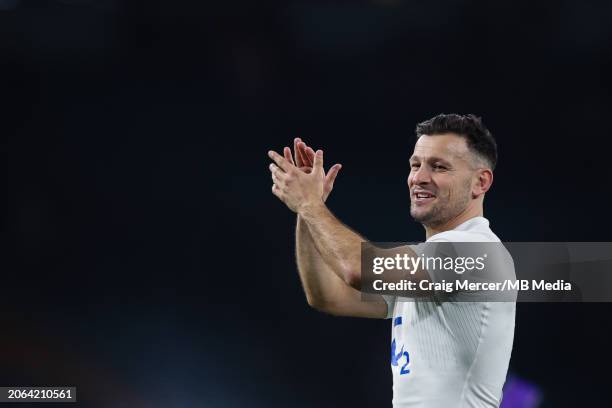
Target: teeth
423, 195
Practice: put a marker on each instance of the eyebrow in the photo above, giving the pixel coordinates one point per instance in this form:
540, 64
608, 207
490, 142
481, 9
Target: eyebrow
431, 159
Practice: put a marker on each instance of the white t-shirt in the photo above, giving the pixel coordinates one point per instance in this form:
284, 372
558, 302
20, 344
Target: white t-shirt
451, 354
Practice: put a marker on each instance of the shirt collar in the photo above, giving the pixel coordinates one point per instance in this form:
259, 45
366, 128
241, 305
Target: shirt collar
471, 223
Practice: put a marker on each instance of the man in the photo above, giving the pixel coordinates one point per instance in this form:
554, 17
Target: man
449, 353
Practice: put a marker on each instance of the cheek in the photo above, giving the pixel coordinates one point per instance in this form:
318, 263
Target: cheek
460, 189
445, 188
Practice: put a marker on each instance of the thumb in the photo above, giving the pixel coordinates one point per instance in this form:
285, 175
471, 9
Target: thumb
318, 162
332, 174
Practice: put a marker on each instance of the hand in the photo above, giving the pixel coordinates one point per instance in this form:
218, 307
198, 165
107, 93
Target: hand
304, 159
296, 188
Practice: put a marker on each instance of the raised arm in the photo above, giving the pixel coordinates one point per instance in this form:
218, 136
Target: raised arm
338, 245
303, 193
324, 289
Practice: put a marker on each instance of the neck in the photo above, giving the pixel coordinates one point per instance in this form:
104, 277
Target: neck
467, 214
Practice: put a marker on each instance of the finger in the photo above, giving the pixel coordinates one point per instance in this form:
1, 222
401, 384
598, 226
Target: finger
310, 154
288, 156
278, 176
332, 174
298, 154
280, 160
318, 162
277, 172
276, 179
303, 155
276, 191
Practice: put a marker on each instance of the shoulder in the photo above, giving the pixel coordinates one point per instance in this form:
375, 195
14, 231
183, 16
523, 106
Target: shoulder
474, 230
464, 236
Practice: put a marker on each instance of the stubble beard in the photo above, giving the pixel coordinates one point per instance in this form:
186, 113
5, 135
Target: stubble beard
442, 211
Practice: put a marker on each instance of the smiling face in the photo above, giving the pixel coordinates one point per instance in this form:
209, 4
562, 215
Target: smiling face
444, 179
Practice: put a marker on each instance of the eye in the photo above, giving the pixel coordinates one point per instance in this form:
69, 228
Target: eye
415, 165
439, 167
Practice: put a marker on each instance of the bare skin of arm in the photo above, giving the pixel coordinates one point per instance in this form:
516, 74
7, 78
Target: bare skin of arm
338, 245
324, 289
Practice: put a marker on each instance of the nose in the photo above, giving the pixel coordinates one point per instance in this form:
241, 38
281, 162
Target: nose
419, 176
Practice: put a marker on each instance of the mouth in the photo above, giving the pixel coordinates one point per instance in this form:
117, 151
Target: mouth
422, 197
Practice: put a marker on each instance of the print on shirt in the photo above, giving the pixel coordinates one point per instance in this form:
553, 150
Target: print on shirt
401, 359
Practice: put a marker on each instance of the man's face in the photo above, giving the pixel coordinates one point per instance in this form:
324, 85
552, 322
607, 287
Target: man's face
440, 179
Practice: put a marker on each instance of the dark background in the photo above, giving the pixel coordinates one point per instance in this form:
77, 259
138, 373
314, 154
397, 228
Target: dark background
147, 262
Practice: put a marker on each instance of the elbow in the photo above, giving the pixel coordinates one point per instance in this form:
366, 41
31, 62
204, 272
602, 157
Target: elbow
317, 304
323, 306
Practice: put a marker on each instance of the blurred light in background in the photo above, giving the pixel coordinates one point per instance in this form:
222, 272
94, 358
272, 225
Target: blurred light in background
519, 393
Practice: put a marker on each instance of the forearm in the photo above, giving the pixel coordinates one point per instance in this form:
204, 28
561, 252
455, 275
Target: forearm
338, 245
320, 282
325, 289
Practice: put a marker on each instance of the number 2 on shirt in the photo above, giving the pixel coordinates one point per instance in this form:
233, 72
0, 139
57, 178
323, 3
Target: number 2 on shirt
396, 358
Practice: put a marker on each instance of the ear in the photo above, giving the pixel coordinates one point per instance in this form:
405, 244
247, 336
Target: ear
483, 181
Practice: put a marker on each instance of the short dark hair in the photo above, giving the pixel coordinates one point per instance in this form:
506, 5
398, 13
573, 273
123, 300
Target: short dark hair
479, 139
